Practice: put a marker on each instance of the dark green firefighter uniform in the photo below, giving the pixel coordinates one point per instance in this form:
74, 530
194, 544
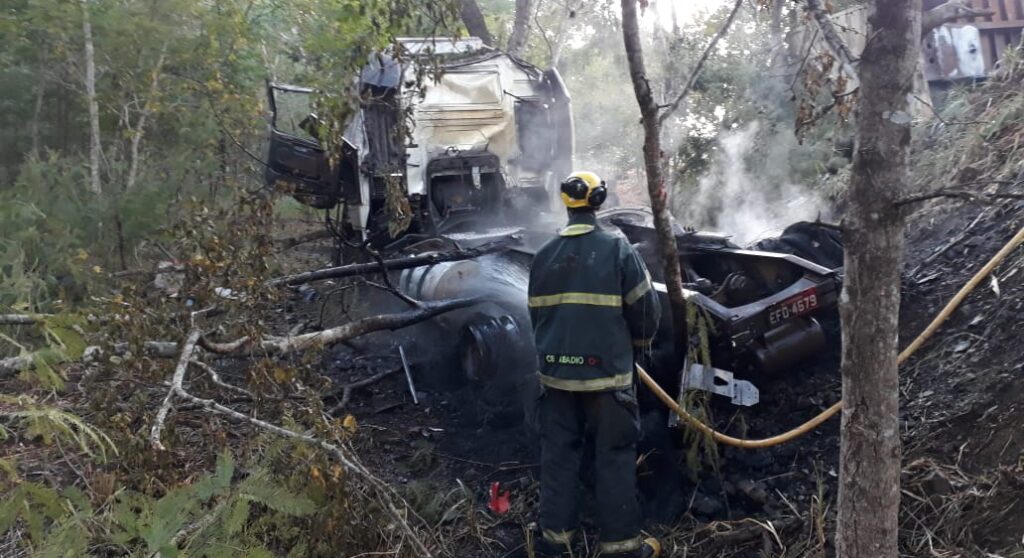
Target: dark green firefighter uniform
592, 304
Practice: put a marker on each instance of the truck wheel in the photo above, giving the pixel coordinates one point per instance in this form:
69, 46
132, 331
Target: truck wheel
492, 359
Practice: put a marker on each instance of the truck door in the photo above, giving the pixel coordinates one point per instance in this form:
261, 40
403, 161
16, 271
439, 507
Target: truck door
296, 164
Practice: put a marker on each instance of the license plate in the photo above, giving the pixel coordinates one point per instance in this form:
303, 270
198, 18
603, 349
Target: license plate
796, 305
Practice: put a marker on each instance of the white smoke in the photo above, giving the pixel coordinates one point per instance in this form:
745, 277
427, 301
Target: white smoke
750, 203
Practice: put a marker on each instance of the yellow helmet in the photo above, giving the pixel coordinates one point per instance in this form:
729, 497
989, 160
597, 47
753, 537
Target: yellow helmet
583, 189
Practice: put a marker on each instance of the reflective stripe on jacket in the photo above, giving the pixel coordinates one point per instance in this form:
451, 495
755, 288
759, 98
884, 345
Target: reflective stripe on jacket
591, 302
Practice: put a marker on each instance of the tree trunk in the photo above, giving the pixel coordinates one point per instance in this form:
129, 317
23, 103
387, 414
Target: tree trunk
140, 124
521, 28
869, 472
654, 170
37, 114
473, 18
94, 109
776, 22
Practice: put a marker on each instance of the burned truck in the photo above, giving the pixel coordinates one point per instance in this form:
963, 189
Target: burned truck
485, 138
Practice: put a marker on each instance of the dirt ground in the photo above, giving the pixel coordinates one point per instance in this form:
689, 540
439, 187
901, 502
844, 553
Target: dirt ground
961, 418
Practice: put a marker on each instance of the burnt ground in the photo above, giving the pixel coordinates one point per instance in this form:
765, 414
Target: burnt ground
961, 417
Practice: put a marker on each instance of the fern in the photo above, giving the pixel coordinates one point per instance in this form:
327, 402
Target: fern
33, 503
259, 488
51, 423
215, 514
218, 483
43, 371
213, 531
69, 537
169, 515
238, 517
8, 466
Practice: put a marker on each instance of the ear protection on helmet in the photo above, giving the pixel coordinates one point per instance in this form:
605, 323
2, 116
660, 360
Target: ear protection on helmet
598, 195
577, 192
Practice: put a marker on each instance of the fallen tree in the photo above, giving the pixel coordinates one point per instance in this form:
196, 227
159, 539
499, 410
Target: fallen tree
278, 346
318, 339
406, 262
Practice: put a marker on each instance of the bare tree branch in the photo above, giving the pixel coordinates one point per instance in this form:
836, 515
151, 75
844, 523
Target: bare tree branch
245, 346
959, 194
426, 310
832, 38
692, 78
140, 125
215, 378
655, 171
22, 319
12, 365
346, 390
95, 147
178, 377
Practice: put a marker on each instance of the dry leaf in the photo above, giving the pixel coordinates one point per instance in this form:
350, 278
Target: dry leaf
350, 424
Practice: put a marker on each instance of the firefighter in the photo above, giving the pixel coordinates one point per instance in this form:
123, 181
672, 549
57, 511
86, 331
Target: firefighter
592, 304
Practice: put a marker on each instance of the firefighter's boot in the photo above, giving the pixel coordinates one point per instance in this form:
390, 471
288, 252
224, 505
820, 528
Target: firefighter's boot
546, 549
649, 548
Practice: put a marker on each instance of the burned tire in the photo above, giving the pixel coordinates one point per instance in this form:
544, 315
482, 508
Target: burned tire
496, 358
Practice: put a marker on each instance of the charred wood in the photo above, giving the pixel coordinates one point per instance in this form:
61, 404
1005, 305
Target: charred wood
419, 260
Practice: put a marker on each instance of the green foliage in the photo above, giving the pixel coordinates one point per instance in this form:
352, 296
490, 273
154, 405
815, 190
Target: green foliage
205, 518
702, 449
259, 488
40, 249
50, 425
35, 504
181, 102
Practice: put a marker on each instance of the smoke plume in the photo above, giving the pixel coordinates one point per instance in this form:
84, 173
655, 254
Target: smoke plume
745, 193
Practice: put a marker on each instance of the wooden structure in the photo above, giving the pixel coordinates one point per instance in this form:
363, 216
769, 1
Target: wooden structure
966, 49
995, 33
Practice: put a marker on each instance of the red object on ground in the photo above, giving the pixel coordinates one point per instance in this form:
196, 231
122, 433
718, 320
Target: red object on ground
498, 503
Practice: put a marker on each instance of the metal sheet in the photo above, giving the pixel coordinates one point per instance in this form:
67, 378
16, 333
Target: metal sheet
720, 382
952, 53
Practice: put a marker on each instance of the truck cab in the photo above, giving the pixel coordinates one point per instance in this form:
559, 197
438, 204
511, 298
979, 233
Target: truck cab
485, 142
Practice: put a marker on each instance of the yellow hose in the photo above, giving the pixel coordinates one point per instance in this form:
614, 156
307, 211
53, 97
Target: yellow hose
835, 408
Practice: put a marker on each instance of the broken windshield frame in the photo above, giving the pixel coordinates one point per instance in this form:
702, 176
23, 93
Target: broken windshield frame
291, 111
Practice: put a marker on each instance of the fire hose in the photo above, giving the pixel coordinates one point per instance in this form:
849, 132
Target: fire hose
837, 406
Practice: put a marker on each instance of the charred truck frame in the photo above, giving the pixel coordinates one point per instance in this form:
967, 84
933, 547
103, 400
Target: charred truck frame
467, 156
